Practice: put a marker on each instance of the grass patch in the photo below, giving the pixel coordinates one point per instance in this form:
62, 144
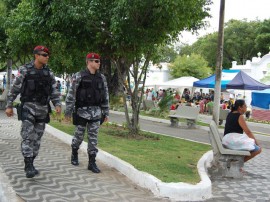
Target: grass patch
167, 158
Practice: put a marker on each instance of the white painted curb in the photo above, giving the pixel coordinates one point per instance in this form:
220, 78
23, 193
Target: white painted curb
175, 191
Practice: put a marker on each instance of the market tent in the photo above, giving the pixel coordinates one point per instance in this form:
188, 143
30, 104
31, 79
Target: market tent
242, 81
209, 82
151, 83
185, 81
261, 99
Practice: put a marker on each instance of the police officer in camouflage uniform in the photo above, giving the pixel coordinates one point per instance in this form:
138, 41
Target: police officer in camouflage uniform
88, 102
37, 86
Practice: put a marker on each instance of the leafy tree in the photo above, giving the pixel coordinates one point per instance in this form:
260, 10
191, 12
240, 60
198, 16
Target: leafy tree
194, 65
38, 22
3, 36
126, 33
11, 4
239, 40
206, 46
263, 37
165, 54
239, 43
149, 24
165, 103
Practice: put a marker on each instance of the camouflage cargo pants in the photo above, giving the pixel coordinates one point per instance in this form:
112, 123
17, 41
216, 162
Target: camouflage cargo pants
31, 133
92, 133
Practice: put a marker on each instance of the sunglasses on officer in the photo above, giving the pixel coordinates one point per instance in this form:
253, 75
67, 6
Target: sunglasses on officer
96, 61
43, 54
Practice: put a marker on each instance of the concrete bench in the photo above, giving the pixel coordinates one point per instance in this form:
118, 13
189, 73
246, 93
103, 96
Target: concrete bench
3, 99
148, 104
226, 162
186, 112
223, 113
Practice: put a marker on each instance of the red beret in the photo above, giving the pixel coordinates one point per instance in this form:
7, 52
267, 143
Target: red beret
93, 56
41, 48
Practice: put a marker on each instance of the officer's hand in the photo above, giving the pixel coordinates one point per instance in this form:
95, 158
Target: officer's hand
67, 119
9, 111
58, 109
106, 119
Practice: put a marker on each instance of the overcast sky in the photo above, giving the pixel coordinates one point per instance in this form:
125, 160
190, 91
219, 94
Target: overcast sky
234, 9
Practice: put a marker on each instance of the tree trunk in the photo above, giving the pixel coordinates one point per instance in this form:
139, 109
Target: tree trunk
111, 73
219, 62
137, 74
9, 73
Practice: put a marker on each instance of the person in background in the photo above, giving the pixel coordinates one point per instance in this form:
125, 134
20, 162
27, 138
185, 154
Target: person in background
174, 105
59, 86
160, 94
187, 97
154, 94
12, 78
177, 97
235, 123
209, 106
67, 83
202, 105
224, 105
149, 94
4, 82
37, 86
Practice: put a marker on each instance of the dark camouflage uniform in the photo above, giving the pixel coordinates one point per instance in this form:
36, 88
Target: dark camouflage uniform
33, 127
91, 113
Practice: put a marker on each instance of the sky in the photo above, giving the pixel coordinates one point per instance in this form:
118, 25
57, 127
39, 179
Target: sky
234, 9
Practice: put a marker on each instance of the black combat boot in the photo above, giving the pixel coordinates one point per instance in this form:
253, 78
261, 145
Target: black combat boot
36, 171
74, 157
92, 164
29, 168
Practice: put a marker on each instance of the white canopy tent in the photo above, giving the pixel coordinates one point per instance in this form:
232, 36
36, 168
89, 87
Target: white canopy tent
185, 81
180, 84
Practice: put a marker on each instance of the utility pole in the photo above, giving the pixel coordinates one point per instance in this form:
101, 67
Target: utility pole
219, 62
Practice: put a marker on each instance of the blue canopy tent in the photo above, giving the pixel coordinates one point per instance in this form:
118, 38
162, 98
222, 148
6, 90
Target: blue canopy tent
242, 81
209, 82
261, 99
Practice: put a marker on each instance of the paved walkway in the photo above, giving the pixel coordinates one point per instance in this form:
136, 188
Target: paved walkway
60, 181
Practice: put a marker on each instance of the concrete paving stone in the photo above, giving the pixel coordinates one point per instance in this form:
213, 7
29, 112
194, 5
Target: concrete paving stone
233, 196
243, 193
235, 185
262, 200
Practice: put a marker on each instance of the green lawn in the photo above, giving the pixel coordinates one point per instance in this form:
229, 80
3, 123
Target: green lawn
167, 158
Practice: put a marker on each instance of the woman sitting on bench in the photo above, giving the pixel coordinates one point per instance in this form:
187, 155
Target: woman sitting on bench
237, 135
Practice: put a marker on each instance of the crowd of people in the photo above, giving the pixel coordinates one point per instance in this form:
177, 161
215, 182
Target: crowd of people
203, 100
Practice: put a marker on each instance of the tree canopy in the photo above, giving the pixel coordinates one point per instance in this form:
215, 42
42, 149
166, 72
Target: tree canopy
242, 41
193, 65
112, 28
263, 37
